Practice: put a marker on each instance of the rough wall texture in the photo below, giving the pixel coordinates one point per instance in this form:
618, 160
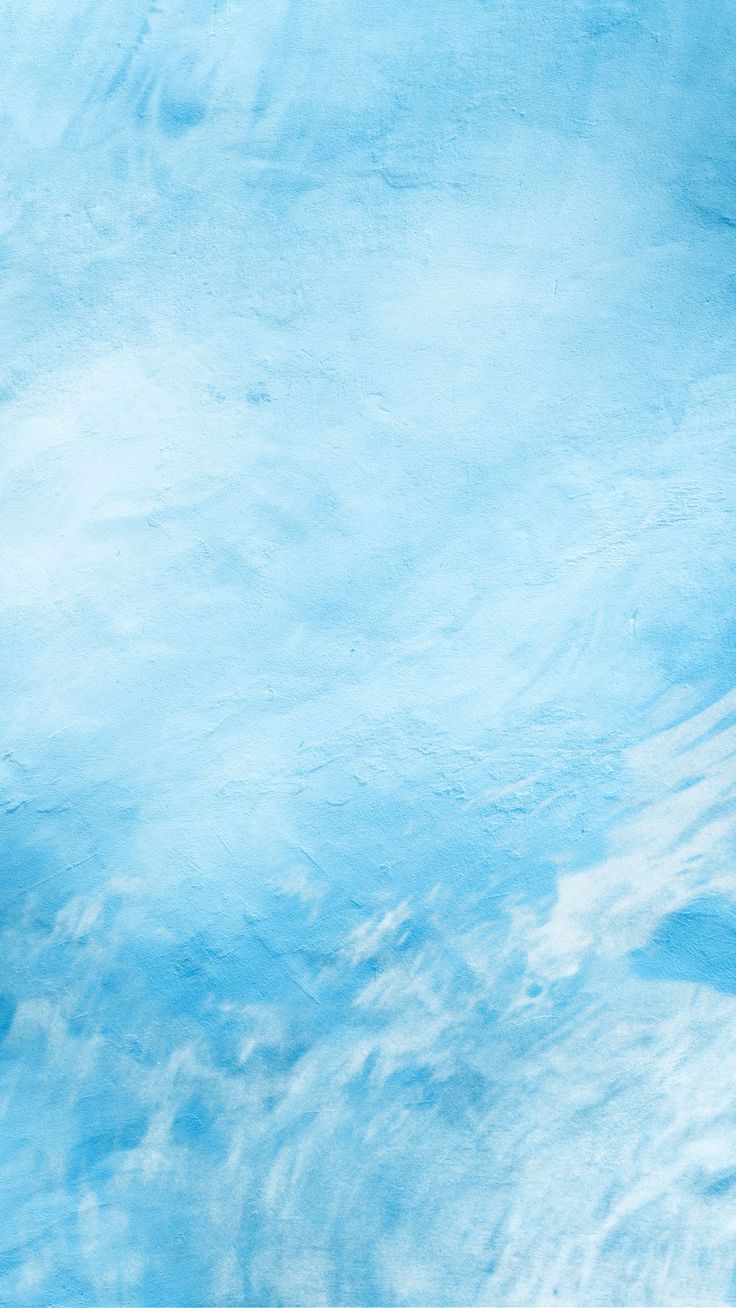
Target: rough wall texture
367, 472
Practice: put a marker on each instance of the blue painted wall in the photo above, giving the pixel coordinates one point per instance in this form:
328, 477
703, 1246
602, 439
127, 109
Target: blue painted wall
367, 473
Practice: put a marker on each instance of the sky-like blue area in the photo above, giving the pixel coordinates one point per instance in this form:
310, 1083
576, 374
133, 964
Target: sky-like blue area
367, 475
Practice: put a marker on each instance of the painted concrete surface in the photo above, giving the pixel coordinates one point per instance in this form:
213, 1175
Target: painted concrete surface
367, 470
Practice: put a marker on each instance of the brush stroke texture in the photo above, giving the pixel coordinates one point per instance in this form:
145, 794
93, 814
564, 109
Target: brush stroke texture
368, 724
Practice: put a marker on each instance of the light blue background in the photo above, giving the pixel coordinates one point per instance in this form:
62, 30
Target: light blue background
367, 473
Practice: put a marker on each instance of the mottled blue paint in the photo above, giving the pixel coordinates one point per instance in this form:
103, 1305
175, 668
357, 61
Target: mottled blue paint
366, 626
696, 944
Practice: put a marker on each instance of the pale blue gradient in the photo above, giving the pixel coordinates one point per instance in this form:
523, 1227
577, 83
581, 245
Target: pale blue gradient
368, 471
